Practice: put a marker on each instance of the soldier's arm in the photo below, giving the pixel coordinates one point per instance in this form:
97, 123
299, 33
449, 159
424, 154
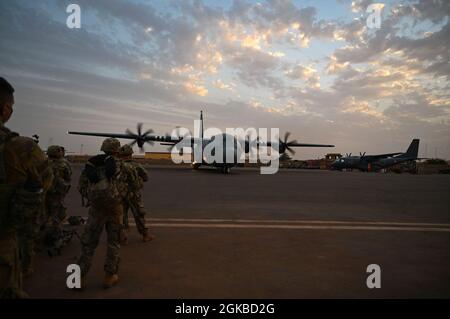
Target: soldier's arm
142, 172
67, 173
69, 167
82, 182
47, 179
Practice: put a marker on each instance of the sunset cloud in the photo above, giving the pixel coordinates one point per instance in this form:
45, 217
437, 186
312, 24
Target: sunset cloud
321, 73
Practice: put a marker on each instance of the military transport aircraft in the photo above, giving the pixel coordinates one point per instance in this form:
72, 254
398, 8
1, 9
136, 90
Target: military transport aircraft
224, 166
368, 163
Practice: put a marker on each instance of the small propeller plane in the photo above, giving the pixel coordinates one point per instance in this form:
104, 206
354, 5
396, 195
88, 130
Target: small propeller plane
377, 162
141, 138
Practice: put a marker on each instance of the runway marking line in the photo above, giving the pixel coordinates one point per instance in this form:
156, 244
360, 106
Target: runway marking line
293, 224
288, 221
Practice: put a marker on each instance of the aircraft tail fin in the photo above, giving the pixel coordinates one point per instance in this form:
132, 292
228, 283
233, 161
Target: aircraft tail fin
413, 149
201, 123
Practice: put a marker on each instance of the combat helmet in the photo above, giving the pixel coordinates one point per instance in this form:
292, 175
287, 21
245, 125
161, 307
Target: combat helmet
54, 151
110, 145
126, 150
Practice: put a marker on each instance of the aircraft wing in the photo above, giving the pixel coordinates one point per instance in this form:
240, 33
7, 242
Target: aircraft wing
163, 139
373, 158
115, 135
309, 145
301, 144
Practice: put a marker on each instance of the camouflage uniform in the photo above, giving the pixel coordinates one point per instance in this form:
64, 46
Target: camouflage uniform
28, 229
101, 216
22, 166
99, 219
137, 175
56, 211
134, 199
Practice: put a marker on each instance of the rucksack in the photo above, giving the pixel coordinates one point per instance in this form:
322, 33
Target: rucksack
59, 184
106, 187
133, 179
6, 190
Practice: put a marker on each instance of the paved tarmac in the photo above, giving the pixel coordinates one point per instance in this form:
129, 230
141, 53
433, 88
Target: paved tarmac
295, 234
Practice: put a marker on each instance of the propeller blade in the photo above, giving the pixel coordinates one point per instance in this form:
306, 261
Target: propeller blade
139, 138
286, 136
290, 150
178, 131
129, 132
285, 144
149, 131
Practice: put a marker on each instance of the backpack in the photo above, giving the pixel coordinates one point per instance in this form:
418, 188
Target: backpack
106, 181
142, 172
6, 190
133, 179
60, 172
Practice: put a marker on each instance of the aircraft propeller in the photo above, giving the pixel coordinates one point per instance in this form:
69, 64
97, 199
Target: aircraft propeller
140, 138
177, 135
285, 145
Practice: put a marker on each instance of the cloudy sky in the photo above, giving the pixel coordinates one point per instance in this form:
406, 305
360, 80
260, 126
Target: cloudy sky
310, 67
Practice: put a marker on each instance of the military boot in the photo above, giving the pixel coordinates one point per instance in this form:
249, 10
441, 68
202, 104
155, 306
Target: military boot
123, 237
124, 240
147, 237
27, 272
110, 280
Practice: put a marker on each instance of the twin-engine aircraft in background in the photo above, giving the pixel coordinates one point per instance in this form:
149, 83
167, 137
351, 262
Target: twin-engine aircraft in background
224, 165
375, 163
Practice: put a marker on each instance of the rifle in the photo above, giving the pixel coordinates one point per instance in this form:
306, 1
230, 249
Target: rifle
56, 237
85, 201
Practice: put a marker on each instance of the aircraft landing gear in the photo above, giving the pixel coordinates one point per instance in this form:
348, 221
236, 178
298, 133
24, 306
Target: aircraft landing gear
225, 170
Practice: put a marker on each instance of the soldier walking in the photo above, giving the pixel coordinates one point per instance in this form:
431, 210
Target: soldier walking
104, 184
137, 175
62, 175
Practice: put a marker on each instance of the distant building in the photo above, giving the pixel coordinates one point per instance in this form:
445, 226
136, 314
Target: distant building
333, 156
157, 155
326, 162
166, 158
